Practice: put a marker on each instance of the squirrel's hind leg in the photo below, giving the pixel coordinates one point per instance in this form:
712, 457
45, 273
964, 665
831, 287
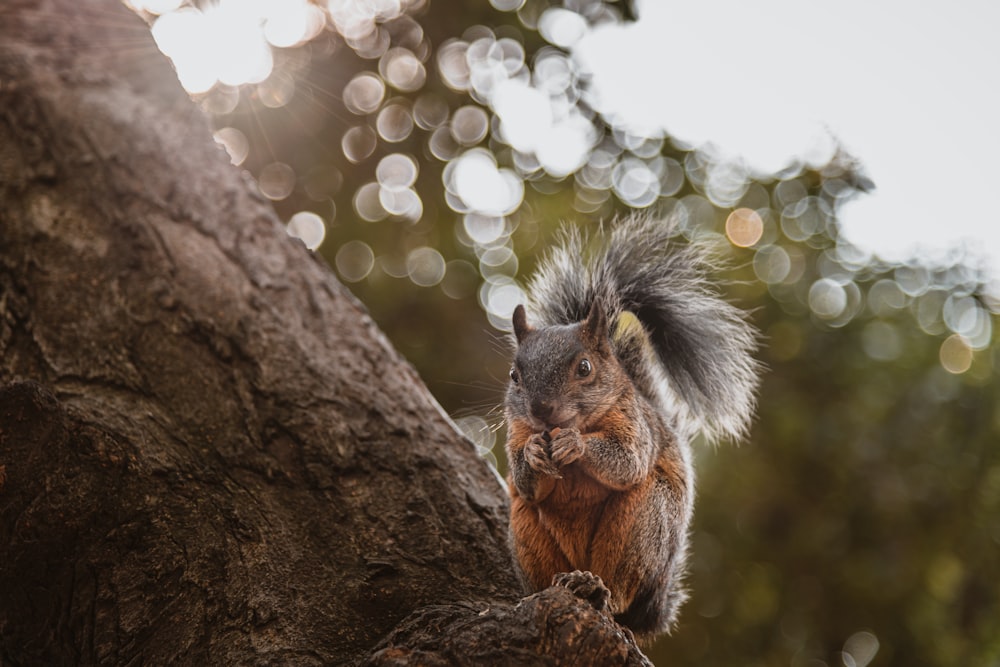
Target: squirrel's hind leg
536, 550
639, 551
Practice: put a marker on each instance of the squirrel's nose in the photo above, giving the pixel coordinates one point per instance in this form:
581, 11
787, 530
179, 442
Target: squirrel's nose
542, 410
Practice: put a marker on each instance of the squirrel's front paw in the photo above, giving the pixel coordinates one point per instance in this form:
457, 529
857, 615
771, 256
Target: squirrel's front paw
536, 454
566, 446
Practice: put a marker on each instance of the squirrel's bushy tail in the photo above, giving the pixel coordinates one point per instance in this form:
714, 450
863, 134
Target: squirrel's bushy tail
704, 344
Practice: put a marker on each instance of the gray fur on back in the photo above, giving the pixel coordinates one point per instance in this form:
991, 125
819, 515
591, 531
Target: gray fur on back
704, 344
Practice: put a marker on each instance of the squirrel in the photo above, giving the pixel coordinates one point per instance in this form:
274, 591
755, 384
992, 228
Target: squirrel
628, 352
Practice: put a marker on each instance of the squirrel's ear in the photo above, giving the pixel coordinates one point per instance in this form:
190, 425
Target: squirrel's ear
520, 322
596, 324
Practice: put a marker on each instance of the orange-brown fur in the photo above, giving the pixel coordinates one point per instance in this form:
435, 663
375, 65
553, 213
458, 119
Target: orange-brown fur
580, 523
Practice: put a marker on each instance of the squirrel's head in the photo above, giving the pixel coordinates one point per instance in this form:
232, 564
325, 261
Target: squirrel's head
564, 375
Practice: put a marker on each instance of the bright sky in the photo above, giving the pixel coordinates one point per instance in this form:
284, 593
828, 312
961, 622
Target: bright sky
912, 89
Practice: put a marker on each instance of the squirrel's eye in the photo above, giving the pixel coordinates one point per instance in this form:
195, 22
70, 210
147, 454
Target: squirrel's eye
584, 369
515, 377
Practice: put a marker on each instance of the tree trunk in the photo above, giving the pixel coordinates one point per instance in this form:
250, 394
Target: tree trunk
209, 454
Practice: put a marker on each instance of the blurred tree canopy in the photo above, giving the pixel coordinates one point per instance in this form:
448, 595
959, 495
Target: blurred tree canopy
430, 150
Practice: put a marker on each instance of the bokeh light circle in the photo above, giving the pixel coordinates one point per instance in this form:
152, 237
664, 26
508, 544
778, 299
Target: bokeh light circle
430, 111
425, 266
484, 188
744, 227
364, 93
354, 261
402, 70
955, 354
827, 298
358, 143
394, 123
368, 204
276, 181
635, 183
401, 202
772, 264
396, 171
235, 142
881, 341
460, 279
469, 125
483, 229
453, 65
308, 227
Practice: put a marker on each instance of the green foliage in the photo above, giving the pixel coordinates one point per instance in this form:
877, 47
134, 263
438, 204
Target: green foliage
866, 501
861, 523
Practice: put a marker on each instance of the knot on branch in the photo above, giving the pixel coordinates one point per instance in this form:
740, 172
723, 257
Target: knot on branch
565, 624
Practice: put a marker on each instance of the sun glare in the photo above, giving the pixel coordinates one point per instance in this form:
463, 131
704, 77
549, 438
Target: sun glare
229, 42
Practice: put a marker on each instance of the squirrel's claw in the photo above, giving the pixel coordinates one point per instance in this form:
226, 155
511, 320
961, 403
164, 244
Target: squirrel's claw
566, 447
585, 585
536, 453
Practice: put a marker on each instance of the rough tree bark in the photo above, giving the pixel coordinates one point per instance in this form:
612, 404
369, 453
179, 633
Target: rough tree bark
209, 454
